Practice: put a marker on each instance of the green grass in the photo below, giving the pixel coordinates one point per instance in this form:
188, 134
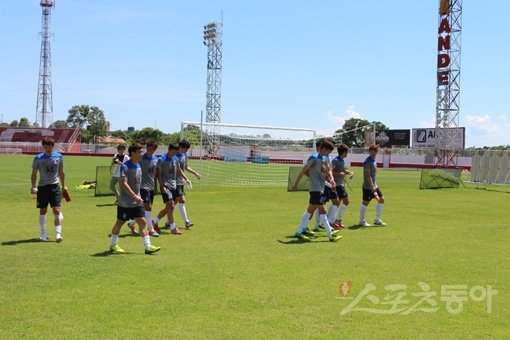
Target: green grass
240, 274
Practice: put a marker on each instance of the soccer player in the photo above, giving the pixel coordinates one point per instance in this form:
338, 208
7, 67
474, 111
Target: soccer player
371, 189
182, 158
168, 172
340, 172
118, 159
130, 203
149, 164
317, 170
50, 166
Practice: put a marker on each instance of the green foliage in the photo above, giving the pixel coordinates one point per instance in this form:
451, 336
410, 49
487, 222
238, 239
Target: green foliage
239, 273
14, 123
59, 124
90, 120
353, 134
24, 123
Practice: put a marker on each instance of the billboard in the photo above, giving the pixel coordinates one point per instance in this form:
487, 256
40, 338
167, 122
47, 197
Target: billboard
425, 138
389, 138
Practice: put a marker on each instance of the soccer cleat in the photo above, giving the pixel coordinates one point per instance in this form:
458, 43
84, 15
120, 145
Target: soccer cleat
302, 237
176, 231
364, 224
308, 232
379, 223
335, 238
133, 229
43, 237
335, 232
188, 224
335, 226
58, 238
318, 228
153, 233
167, 226
156, 228
340, 224
151, 249
116, 249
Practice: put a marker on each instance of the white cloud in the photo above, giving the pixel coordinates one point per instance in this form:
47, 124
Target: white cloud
484, 130
338, 121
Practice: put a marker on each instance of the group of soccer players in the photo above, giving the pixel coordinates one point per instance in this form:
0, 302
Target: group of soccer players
327, 182
136, 173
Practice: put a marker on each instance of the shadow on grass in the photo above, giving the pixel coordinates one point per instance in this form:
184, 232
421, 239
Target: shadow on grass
105, 205
30, 240
358, 227
292, 240
109, 253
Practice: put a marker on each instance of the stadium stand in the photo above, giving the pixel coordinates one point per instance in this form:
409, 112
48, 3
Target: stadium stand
29, 139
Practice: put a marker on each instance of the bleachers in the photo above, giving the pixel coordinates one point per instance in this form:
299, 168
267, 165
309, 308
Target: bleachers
29, 139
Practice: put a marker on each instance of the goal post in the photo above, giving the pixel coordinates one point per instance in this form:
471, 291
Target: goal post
246, 155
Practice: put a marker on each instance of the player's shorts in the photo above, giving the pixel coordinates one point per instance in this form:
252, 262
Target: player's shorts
168, 194
317, 198
147, 195
179, 191
48, 194
329, 194
368, 195
341, 192
126, 214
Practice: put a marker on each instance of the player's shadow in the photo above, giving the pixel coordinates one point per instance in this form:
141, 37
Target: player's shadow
293, 240
16, 242
358, 227
105, 205
107, 253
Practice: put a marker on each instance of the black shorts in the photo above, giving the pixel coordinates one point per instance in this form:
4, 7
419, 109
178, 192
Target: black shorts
126, 214
179, 191
147, 195
317, 198
169, 194
329, 194
341, 192
48, 194
368, 195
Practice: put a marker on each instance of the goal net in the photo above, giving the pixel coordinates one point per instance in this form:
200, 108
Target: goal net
246, 155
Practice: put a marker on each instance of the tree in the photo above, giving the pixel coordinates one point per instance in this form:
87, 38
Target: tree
141, 136
59, 124
352, 132
96, 123
119, 134
78, 115
14, 123
24, 122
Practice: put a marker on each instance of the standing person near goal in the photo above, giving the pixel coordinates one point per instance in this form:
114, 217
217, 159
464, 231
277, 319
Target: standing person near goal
340, 172
168, 171
317, 170
371, 189
50, 166
182, 158
130, 205
118, 159
149, 164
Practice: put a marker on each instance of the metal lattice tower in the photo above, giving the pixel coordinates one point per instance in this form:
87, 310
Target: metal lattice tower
44, 110
213, 41
448, 81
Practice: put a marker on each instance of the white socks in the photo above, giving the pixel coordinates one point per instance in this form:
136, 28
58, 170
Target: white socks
362, 212
115, 239
378, 211
325, 224
304, 222
146, 241
148, 219
332, 213
341, 212
182, 209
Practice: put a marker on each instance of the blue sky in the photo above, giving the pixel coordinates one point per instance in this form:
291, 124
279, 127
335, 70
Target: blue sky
285, 63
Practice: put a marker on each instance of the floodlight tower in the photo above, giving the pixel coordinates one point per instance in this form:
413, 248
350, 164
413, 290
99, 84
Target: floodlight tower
448, 81
44, 110
213, 41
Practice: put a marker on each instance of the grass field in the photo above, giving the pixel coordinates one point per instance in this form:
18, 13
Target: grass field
239, 273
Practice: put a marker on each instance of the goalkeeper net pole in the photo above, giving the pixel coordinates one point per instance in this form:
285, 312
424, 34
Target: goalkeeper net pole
246, 155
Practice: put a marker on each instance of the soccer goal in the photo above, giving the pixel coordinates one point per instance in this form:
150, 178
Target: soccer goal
246, 155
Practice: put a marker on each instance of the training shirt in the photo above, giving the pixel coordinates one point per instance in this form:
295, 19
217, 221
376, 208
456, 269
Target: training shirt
116, 167
168, 168
316, 172
149, 166
49, 167
133, 174
338, 165
182, 159
370, 164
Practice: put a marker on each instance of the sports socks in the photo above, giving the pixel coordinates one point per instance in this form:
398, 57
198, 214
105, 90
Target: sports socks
378, 211
182, 210
332, 213
146, 241
362, 212
324, 220
114, 239
341, 211
304, 222
148, 218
